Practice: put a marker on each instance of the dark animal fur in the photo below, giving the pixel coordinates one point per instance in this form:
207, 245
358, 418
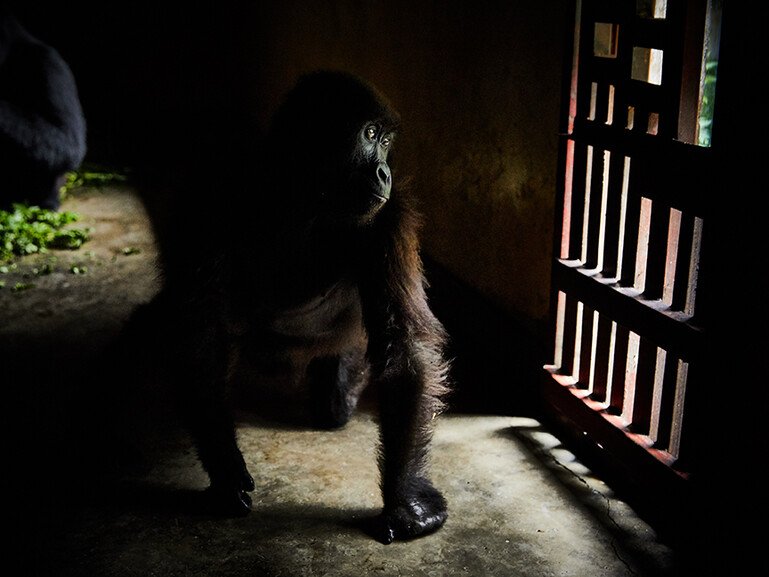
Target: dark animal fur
305, 293
42, 128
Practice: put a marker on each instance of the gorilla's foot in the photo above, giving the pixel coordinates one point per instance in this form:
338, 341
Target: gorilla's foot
230, 497
417, 514
228, 501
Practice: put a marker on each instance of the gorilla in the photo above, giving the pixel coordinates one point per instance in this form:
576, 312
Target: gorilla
42, 128
316, 279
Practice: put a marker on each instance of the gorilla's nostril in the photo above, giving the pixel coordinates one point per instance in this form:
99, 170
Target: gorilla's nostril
383, 173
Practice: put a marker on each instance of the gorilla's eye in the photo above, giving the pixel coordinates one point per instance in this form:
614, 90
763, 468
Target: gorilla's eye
371, 132
386, 140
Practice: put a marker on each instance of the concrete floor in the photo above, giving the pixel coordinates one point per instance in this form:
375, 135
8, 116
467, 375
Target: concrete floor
108, 485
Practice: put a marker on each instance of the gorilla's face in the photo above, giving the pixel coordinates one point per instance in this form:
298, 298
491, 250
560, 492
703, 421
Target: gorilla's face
369, 180
331, 140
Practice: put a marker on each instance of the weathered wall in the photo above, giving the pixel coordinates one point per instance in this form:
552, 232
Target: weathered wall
477, 83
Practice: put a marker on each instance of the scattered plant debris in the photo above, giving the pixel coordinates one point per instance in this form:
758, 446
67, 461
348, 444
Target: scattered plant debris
22, 286
89, 175
30, 229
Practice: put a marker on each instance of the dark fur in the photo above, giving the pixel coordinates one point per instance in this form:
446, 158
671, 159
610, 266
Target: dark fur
42, 128
307, 284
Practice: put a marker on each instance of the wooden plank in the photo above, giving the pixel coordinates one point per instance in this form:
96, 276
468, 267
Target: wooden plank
594, 205
668, 399
577, 206
586, 349
616, 392
601, 358
685, 267
631, 235
615, 207
569, 336
690, 64
656, 258
640, 420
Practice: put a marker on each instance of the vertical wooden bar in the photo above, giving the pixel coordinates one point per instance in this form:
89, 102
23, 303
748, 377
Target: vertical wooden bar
681, 442
658, 390
594, 207
565, 199
662, 430
601, 111
559, 305
586, 348
644, 387
578, 325
610, 104
693, 303
630, 233
657, 251
673, 255
569, 336
631, 375
619, 370
642, 247
688, 52
614, 216
601, 356
579, 195
683, 268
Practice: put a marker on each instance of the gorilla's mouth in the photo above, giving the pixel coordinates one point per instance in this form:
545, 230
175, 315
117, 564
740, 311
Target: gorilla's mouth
380, 196
365, 193
377, 190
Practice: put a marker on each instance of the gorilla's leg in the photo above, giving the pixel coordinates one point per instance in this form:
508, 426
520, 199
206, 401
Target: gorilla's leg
413, 506
335, 384
213, 432
202, 388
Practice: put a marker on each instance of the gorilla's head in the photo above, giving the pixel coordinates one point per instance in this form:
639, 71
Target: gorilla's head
329, 142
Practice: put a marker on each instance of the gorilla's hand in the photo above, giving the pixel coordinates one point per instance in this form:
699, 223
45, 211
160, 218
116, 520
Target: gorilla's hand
419, 513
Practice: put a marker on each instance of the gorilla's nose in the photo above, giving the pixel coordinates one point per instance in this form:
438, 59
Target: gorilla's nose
383, 174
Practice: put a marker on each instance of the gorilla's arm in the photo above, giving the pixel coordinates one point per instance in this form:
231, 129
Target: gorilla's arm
405, 348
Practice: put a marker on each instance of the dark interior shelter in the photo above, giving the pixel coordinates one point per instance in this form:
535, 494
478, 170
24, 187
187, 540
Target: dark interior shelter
526, 128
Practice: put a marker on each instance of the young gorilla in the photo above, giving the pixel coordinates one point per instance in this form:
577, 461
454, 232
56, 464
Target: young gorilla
328, 286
